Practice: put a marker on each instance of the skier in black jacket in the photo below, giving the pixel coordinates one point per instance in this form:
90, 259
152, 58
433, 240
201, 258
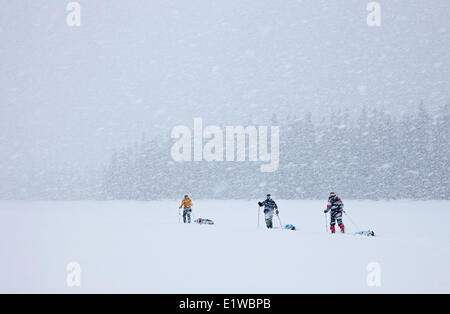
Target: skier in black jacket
269, 208
336, 206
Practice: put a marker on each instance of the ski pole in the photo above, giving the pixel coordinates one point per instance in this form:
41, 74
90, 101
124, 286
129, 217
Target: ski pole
279, 220
179, 215
326, 223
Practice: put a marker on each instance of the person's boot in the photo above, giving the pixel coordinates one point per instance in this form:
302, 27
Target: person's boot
332, 228
342, 228
269, 223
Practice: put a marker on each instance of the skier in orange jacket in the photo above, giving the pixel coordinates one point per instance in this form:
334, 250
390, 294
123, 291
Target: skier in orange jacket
186, 203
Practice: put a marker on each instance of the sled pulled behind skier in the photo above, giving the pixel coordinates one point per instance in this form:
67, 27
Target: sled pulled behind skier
186, 204
368, 233
270, 207
336, 207
204, 221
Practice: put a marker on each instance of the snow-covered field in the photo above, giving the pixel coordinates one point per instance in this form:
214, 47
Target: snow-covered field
126, 246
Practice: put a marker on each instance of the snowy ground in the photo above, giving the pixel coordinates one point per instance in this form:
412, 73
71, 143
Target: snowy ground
126, 246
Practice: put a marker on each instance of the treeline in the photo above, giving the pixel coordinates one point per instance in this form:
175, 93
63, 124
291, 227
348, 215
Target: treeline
367, 155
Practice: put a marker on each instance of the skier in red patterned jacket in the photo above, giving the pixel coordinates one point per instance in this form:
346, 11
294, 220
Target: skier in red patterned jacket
336, 206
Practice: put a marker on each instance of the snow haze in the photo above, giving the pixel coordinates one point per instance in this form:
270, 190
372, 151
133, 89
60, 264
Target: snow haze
70, 96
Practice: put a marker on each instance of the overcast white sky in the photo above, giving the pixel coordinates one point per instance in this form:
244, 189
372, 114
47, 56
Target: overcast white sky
70, 95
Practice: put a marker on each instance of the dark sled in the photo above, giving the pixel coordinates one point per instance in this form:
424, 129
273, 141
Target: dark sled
203, 221
368, 233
